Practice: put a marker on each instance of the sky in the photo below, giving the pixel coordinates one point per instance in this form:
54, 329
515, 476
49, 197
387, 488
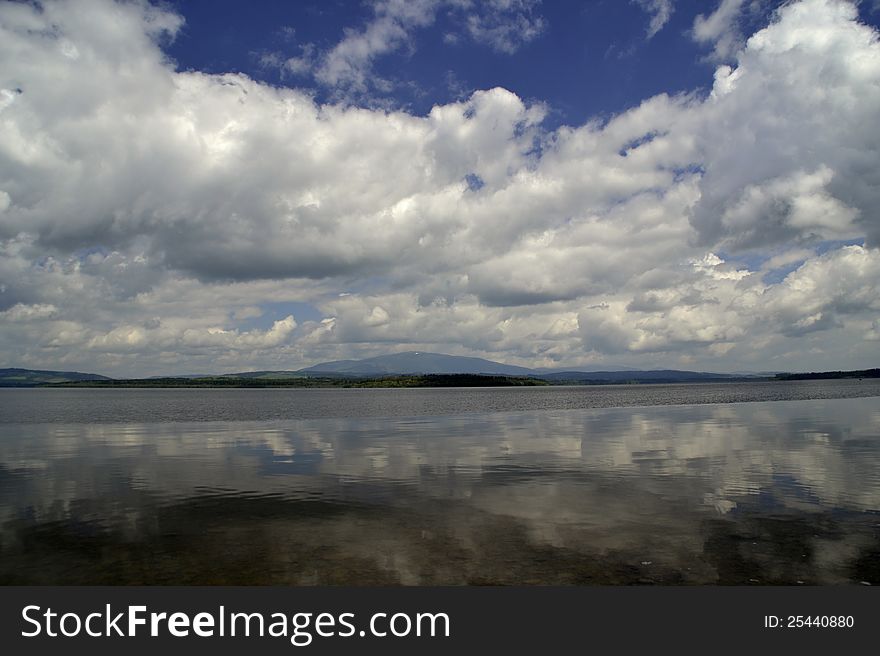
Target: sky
218, 186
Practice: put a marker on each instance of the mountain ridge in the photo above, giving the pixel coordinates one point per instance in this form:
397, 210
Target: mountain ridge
401, 363
419, 362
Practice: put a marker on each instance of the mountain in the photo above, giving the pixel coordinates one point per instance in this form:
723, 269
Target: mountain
412, 363
416, 362
33, 377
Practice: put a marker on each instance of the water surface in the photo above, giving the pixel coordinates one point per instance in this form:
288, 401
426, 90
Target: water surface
778, 492
101, 405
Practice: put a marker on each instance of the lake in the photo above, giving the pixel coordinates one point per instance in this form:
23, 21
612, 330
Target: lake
733, 483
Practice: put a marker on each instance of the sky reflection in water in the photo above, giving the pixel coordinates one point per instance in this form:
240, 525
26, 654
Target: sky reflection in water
776, 492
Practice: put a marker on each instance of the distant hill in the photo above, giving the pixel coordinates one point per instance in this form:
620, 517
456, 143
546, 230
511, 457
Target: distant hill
33, 378
417, 362
380, 370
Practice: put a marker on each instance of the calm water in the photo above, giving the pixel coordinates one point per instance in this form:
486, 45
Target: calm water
509, 486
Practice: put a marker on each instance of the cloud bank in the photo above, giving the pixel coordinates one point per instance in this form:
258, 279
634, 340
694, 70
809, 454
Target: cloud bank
154, 220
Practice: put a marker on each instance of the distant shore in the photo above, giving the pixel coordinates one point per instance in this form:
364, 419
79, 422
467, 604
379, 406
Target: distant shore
428, 380
436, 380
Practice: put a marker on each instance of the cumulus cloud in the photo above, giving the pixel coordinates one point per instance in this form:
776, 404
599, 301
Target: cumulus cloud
791, 154
151, 219
720, 305
179, 338
823, 292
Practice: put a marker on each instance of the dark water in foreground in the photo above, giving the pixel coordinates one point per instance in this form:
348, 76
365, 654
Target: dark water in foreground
778, 492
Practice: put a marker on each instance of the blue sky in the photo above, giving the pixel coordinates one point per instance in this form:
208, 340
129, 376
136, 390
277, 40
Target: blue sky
220, 186
591, 59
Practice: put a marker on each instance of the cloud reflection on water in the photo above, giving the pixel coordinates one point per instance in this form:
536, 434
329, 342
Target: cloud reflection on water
774, 492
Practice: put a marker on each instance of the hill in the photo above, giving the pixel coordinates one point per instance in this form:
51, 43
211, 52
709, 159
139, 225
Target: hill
417, 362
410, 368
32, 377
420, 363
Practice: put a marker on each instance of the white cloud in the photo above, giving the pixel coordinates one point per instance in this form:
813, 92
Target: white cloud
23, 312
348, 67
796, 205
150, 212
504, 25
787, 147
349, 62
660, 12
177, 337
798, 255
824, 291
721, 28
